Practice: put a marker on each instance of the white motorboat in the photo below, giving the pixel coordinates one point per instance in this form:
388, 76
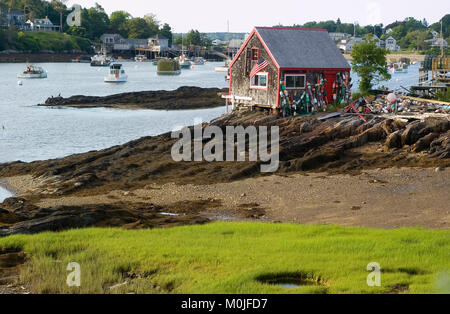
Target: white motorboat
116, 74
33, 72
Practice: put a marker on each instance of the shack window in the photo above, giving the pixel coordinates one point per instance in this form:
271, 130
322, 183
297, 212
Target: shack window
255, 54
295, 81
248, 62
259, 81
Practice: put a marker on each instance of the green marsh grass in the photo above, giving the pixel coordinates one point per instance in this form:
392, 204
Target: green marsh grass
229, 257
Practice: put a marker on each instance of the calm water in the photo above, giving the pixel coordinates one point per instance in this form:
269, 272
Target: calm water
4, 194
37, 133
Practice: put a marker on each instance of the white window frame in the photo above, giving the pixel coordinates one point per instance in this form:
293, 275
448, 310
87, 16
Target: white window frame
257, 86
295, 88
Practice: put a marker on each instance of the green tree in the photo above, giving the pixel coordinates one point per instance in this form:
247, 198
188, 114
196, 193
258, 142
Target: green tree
95, 21
60, 6
178, 40
369, 62
152, 23
138, 28
118, 22
77, 31
166, 31
3, 40
445, 26
193, 37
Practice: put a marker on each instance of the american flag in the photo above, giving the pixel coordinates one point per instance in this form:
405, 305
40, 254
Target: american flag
261, 65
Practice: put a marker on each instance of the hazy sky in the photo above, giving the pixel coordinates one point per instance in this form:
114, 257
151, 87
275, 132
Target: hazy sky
212, 16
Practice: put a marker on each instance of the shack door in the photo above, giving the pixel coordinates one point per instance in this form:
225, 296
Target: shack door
331, 78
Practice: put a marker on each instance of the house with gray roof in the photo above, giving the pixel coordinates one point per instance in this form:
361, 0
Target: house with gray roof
12, 18
42, 25
282, 58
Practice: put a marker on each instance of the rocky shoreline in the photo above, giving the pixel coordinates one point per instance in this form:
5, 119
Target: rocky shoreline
184, 98
100, 188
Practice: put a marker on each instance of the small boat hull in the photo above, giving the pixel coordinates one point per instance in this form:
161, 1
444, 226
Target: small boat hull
116, 80
32, 75
221, 69
169, 73
95, 64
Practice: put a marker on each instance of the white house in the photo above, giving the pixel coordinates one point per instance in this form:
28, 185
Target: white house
437, 42
42, 25
391, 44
380, 43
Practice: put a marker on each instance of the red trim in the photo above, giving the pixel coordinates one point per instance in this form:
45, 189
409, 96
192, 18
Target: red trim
260, 87
315, 69
294, 28
278, 89
242, 48
229, 88
267, 49
245, 46
295, 74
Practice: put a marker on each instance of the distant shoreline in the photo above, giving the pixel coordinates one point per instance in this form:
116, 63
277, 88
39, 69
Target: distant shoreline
37, 57
396, 57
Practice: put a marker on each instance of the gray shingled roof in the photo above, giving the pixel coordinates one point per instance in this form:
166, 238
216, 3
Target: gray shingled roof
297, 48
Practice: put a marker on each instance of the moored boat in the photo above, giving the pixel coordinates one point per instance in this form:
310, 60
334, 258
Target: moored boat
100, 60
82, 59
199, 61
185, 63
33, 72
116, 74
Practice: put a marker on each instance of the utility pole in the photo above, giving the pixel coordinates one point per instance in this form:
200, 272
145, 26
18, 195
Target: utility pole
9, 13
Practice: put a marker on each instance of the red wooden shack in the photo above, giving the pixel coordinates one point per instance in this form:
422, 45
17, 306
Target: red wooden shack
282, 56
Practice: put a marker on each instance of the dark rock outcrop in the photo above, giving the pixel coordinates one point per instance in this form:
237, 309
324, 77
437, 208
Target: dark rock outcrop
125, 215
181, 99
339, 145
